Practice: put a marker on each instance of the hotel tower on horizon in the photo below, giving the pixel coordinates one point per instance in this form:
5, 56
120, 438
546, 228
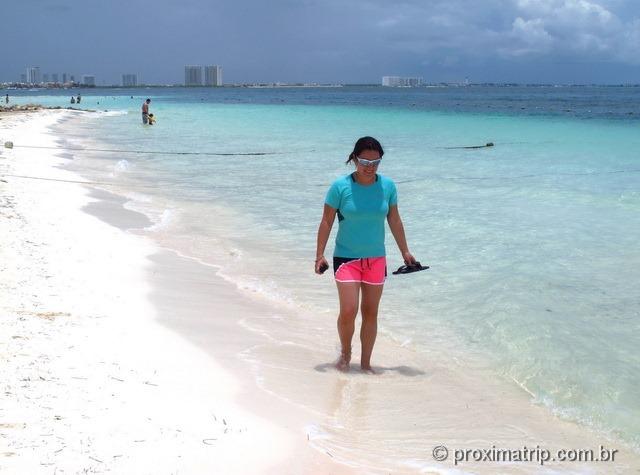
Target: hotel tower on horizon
212, 75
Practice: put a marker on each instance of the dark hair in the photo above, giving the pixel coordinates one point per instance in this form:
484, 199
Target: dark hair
365, 143
148, 100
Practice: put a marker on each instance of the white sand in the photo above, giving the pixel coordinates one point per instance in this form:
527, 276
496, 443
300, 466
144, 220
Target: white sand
91, 382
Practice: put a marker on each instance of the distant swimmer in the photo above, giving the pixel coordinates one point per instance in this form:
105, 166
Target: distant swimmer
73, 100
145, 111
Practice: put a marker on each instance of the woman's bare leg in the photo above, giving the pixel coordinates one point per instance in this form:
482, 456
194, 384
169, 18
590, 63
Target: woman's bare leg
348, 293
371, 295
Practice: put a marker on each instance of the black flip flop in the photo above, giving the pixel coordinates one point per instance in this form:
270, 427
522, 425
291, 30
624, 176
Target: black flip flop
408, 269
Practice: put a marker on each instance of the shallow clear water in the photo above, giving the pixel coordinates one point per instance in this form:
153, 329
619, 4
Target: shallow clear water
532, 243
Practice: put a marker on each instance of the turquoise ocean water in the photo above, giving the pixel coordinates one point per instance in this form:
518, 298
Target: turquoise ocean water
533, 243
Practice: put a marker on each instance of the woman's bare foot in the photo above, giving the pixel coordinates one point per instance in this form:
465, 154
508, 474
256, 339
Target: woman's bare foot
343, 362
367, 369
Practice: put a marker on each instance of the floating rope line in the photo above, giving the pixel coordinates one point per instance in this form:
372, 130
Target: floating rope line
135, 185
487, 145
71, 181
220, 154
11, 145
150, 152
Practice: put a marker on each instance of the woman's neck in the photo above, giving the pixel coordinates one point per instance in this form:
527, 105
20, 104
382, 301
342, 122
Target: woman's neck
360, 181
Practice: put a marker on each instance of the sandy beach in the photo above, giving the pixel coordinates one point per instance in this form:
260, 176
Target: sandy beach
92, 382
120, 355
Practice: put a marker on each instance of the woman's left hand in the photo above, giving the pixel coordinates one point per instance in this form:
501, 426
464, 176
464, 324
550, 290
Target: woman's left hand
408, 258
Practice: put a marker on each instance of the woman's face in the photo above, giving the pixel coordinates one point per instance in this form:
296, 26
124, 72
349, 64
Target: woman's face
367, 170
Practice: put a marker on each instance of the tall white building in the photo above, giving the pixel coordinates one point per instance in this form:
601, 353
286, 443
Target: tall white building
54, 77
129, 80
33, 75
213, 76
88, 80
193, 75
398, 81
64, 78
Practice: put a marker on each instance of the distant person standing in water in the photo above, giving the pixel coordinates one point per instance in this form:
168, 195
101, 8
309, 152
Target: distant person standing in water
145, 111
362, 200
73, 100
78, 99
6, 99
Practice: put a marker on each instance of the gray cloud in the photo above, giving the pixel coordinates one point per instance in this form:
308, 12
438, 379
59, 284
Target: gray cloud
329, 40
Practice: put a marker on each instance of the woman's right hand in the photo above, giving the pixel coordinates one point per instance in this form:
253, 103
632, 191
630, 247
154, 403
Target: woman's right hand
320, 263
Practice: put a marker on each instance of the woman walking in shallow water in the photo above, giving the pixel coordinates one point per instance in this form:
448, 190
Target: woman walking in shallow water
361, 200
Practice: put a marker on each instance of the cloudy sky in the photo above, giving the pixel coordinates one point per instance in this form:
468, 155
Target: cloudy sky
351, 41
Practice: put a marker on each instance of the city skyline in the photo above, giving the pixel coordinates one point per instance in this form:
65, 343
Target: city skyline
209, 75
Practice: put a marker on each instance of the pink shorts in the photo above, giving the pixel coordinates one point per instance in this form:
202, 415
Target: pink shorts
368, 270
